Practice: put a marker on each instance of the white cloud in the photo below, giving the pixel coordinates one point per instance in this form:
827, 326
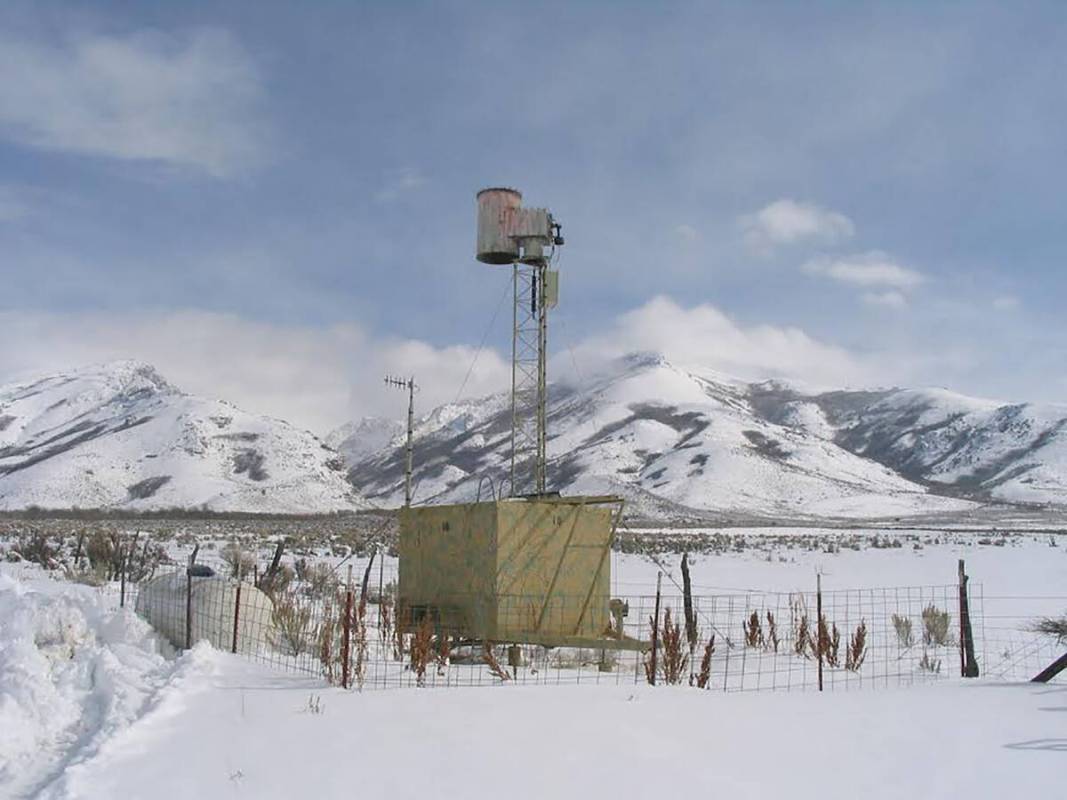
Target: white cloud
890, 299
400, 182
787, 221
321, 377
705, 336
314, 377
180, 100
868, 270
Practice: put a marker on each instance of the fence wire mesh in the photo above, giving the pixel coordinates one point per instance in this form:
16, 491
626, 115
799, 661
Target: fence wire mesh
313, 623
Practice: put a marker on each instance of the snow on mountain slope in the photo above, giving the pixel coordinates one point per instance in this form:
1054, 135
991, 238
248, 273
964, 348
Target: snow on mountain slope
1008, 452
120, 436
660, 434
357, 440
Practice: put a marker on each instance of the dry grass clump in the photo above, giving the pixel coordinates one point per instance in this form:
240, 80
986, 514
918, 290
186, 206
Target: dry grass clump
421, 652
928, 664
675, 658
827, 642
704, 676
772, 633
902, 626
935, 627
753, 630
240, 561
857, 648
293, 631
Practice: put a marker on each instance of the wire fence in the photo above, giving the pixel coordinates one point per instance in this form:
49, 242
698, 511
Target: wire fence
355, 635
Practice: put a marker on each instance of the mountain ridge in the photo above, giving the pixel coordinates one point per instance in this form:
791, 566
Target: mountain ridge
766, 447
120, 436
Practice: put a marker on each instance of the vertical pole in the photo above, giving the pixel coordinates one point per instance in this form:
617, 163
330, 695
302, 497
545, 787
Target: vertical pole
122, 579
236, 615
188, 606
819, 627
514, 370
409, 447
968, 663
381, 582
346, 636
655, 630
542, 378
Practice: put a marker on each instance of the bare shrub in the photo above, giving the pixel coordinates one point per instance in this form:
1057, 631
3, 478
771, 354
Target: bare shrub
675, 658
928, 664
443, 653
493, 664
359, 634
278, 581
753, 630
385, 630
857, 648
320, 579
802, 644
1052, 626
826, 642
902, 626
935, 627
705, 664
329, 650
240, 562
294, 632
772, 633
421, 651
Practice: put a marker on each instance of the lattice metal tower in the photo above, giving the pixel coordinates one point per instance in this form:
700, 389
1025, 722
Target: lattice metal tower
511, 234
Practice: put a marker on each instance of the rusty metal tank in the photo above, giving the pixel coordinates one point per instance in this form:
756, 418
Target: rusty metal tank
498, 212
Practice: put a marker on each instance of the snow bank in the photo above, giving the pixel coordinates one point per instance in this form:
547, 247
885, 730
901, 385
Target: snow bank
71, 672
162, 601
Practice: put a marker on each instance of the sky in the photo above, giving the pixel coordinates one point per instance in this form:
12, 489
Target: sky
273, 203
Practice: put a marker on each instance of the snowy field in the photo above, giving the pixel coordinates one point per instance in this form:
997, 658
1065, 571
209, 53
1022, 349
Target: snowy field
94, 705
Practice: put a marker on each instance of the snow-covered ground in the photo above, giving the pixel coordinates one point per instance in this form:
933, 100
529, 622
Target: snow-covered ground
93, 705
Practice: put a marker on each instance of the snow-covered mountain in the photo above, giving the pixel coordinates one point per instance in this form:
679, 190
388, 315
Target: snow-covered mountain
675, 440
357, 440
120, 436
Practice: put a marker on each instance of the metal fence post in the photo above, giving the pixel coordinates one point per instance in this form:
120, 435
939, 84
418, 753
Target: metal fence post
655, 630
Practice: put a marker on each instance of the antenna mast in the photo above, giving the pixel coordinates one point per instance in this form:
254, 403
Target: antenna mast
409, 448
511, 234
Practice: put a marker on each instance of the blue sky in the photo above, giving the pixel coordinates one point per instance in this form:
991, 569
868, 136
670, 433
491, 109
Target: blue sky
274, 202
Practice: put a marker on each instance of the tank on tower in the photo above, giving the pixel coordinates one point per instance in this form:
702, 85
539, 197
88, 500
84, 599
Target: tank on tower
498, 210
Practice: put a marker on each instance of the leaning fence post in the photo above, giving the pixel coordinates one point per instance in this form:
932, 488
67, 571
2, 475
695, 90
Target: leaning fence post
968, 663
655, 630
346, 633
819, 626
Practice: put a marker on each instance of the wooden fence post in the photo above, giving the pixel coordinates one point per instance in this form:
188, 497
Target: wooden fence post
236, 616
819, 626
1051, 671
122, 583
346, 637
655, 630
968, 663
188, 607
